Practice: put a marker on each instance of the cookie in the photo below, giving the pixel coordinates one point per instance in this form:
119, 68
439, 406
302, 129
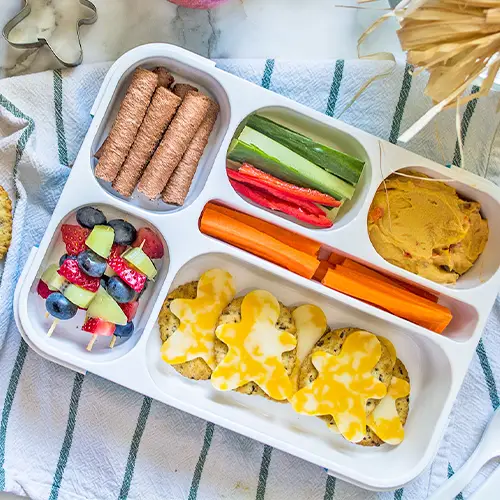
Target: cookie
232, 314
195, 369
332, 343
5, 222
402, 406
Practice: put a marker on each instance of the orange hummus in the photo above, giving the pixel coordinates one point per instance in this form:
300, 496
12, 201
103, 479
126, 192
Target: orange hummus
426, 228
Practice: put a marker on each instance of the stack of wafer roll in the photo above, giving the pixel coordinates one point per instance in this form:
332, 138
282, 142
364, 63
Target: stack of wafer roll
158, 137
174, 144
126, 125
160, 113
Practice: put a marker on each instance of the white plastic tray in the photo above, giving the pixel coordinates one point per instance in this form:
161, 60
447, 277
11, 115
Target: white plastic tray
436, 363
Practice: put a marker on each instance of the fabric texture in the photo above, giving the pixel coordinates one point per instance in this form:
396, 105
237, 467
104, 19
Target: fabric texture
69, 436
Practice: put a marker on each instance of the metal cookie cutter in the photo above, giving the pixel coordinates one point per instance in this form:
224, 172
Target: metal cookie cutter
64, 43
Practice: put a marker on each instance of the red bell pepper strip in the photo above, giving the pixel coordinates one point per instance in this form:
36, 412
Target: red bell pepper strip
270, 201
300, 192
308, 206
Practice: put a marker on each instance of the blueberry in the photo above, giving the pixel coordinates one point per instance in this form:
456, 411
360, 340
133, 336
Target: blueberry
125, 233
66, 257
91, 263
104, 281
119, 290
124, 330
89, 217
60, 307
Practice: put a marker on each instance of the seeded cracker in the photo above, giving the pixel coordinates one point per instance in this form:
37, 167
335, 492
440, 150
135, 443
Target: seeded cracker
162, 109
127, 123
165, 79
179, 183
174, 144
5, 222
181, 89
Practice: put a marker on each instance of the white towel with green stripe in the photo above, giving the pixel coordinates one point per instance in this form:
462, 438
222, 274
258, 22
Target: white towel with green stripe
69, 436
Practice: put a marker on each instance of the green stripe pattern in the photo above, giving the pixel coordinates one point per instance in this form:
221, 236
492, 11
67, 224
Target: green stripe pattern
134, 447
7, 405
62, 147
264, 472
198, 470
398, 494
68, 437
268, 73
450, 473
400, 108
23, 140
464, 127
335, 87
488, 374
330, 487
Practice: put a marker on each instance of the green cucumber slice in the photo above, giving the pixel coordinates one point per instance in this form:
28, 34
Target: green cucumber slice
274, 158
338, 163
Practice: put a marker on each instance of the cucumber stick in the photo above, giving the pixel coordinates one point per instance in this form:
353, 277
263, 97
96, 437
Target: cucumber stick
274, 158
340, 164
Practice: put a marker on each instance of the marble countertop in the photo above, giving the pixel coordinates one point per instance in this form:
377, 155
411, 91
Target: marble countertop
289, 29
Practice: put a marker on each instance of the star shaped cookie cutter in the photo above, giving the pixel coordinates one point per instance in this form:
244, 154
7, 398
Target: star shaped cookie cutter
38, 36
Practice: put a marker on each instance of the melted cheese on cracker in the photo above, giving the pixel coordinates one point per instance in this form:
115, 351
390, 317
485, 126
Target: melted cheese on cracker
255, 346
310, 321
195, 336
384, 420
344, 384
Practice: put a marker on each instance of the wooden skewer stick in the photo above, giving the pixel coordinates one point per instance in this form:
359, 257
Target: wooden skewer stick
91, 343
113, 342
52, 327
142, 244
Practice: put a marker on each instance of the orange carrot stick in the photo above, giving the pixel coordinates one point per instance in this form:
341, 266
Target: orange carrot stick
297, 241
395, 300
219, 225
321, 271
356, 266
335, 259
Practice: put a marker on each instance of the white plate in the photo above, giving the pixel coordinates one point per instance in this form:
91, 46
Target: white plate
436, 363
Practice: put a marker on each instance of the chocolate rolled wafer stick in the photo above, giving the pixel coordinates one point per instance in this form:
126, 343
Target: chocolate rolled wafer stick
177, 188
162, 109
127, 123
181, 89
176, 140
165, 79
101, 150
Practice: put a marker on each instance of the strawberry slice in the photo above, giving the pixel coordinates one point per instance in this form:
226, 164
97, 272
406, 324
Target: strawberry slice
132, 277
151, 243
117, 250
44, 291
97, 326
74, 238
130, 309
74, 274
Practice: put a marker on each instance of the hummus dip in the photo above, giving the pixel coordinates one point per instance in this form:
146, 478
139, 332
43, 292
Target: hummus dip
426, 228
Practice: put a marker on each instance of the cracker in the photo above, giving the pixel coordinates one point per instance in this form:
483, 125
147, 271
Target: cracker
5, 222
232, 314
195, 369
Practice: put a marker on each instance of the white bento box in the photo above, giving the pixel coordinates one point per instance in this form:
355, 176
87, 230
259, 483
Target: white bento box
436, 363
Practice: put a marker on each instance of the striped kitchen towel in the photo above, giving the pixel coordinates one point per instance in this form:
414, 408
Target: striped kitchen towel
69, 436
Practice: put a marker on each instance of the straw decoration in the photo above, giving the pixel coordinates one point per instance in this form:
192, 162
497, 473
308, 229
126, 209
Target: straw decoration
456, 41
